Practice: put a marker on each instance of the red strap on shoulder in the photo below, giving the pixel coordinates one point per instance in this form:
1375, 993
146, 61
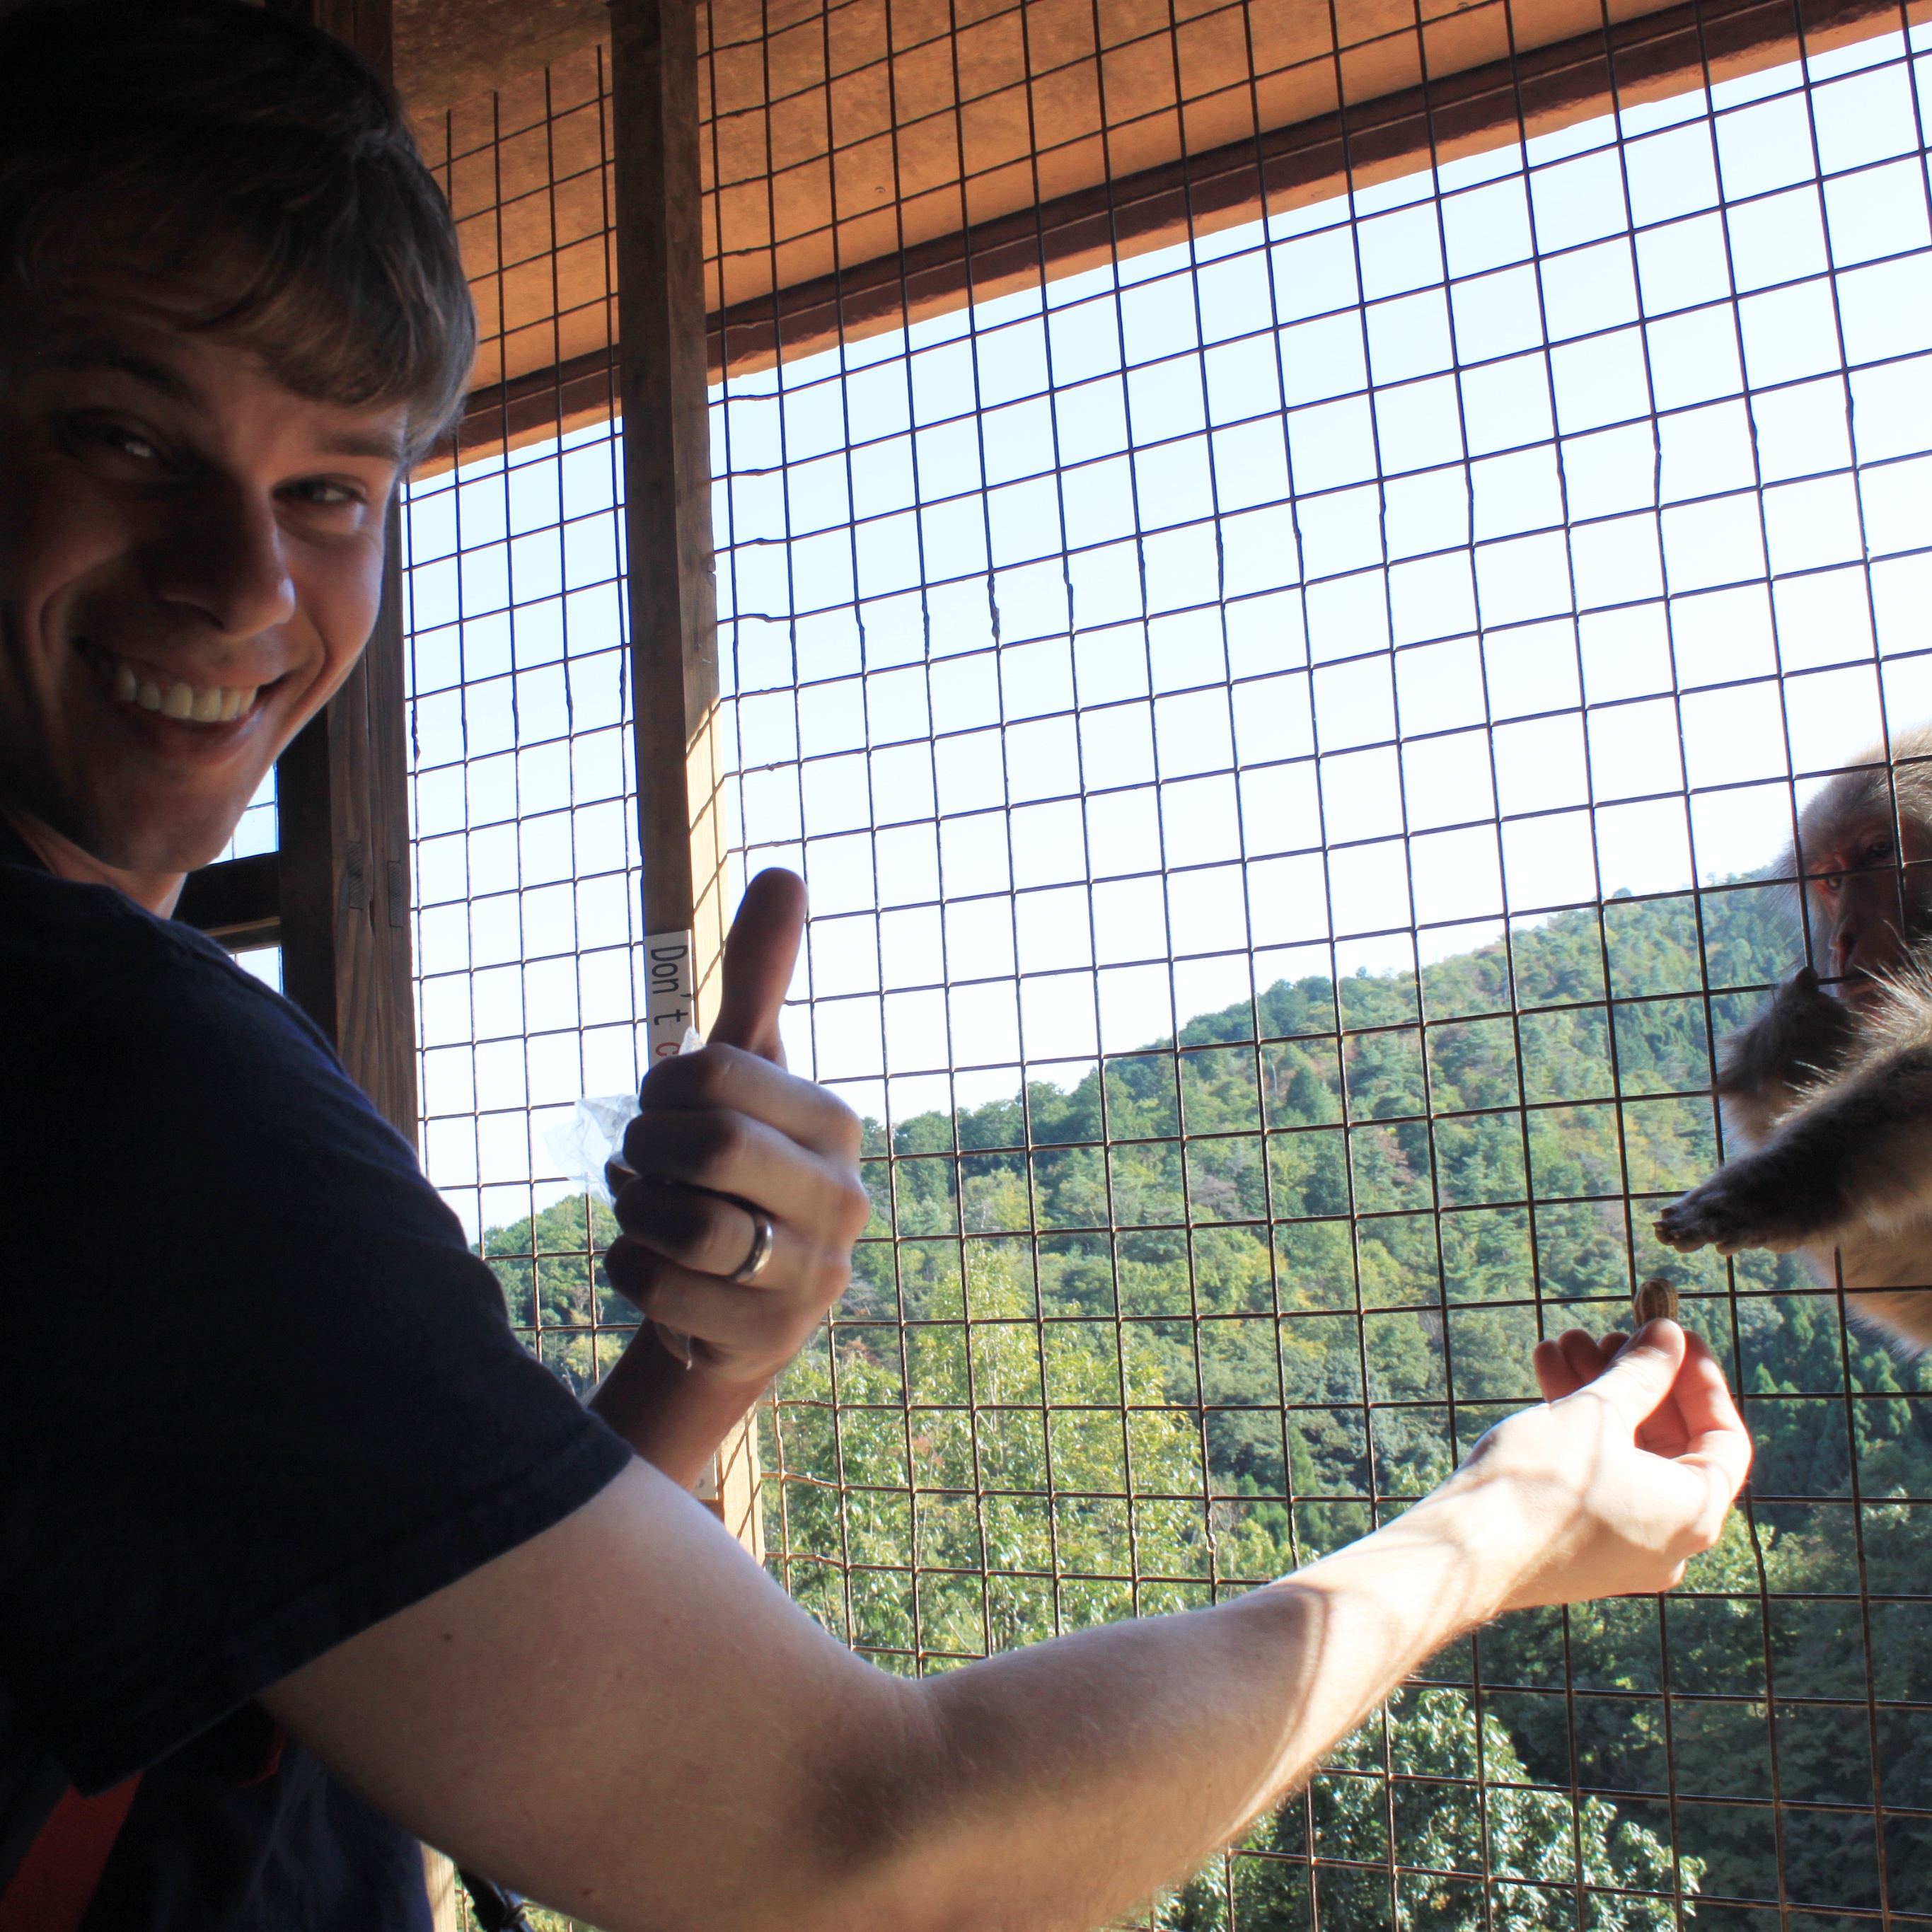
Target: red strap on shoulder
55, 1882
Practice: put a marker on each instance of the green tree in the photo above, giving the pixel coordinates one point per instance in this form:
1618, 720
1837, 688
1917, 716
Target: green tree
1439, 1784
1169, 1331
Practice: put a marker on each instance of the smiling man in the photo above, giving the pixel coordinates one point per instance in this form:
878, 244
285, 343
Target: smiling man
301, 1554
196, 555
256, 1394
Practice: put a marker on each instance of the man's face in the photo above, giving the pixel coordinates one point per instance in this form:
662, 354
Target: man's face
190, 560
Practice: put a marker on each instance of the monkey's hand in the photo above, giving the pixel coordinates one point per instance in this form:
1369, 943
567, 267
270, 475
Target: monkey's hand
1762, 1201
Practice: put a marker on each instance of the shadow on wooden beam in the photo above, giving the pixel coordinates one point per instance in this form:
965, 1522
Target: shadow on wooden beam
239, 902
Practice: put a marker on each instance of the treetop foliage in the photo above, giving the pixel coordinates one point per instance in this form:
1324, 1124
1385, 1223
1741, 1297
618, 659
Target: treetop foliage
1120, 1347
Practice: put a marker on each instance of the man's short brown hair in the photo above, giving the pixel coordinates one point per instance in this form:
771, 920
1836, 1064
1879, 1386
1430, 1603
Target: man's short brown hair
254, 162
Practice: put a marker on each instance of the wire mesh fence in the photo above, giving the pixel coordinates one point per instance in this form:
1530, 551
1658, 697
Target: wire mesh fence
1287, 736
527, 869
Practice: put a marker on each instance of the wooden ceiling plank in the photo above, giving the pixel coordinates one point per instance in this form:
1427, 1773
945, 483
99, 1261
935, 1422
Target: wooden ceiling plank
1122, 21
856, 38
1137, 78
1058, 33
1029, 205
969, 13
916, 22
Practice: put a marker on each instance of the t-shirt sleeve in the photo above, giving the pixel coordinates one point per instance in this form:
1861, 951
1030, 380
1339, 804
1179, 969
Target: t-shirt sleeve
255, 1394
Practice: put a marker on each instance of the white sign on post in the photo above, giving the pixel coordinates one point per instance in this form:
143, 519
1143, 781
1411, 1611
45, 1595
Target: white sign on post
670, 991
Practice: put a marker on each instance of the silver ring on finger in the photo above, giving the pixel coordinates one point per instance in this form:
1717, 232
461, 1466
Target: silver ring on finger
764, 1237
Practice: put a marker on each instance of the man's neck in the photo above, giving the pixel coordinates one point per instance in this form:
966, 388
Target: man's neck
157, 891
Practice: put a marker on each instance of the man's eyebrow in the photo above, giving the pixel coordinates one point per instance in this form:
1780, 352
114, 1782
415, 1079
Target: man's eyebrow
111, 355
384, 446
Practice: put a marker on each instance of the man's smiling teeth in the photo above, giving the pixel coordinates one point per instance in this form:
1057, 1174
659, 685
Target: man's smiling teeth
213, 704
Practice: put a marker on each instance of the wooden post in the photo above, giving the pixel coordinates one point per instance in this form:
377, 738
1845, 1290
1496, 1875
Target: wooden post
674, 603
342, 792
661, 380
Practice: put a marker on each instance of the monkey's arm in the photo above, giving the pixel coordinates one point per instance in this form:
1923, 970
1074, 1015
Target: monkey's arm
1856, 1151
1803, 1034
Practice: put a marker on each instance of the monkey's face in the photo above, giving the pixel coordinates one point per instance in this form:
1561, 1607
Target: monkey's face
1871, 901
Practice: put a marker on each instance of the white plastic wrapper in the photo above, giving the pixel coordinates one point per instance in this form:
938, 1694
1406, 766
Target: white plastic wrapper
595, 1132
593, 1135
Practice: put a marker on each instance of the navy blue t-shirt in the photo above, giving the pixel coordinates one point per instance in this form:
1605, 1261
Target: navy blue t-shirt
256, 1395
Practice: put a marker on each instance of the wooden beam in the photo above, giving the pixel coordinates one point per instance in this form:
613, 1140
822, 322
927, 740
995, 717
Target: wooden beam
343, 796
667, 451
673, 596
547, 402
238, 901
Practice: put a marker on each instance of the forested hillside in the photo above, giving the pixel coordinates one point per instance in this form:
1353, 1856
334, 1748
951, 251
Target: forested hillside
1184, 1325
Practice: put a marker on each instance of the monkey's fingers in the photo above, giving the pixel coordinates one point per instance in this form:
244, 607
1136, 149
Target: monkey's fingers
1685, 1241
1776, 1244
1749, 1205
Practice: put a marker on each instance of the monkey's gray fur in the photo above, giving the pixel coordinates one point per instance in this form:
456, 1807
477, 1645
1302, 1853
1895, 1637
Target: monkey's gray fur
1829, 1098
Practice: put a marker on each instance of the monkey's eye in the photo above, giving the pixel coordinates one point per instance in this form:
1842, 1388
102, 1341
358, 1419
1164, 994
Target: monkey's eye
1878, 851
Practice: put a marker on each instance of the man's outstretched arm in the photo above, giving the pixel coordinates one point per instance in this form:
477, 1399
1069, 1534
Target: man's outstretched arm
624, 1718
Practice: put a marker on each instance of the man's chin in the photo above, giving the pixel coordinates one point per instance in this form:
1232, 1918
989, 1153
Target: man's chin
150, 843
178, 850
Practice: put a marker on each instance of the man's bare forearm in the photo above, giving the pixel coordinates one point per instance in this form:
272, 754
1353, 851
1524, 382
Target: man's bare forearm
1107, 1764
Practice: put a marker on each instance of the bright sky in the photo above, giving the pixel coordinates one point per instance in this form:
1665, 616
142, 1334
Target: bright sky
1253, 695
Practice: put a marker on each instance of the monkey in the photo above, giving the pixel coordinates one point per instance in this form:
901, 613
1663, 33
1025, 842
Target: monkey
1828, 1092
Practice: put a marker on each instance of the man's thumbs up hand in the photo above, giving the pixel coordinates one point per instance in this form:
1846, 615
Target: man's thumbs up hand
759, 957
739, 1226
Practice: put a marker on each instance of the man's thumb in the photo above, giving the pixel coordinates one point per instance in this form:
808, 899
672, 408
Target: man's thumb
759, 956
1644, 1371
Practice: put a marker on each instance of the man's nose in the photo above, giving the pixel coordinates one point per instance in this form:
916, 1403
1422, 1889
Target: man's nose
222, 560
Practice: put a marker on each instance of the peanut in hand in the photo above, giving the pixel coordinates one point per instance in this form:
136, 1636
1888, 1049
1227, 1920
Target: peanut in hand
1656, 1301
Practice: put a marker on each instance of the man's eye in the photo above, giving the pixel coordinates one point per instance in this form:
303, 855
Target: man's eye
119, 451
123, 442
325, 494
